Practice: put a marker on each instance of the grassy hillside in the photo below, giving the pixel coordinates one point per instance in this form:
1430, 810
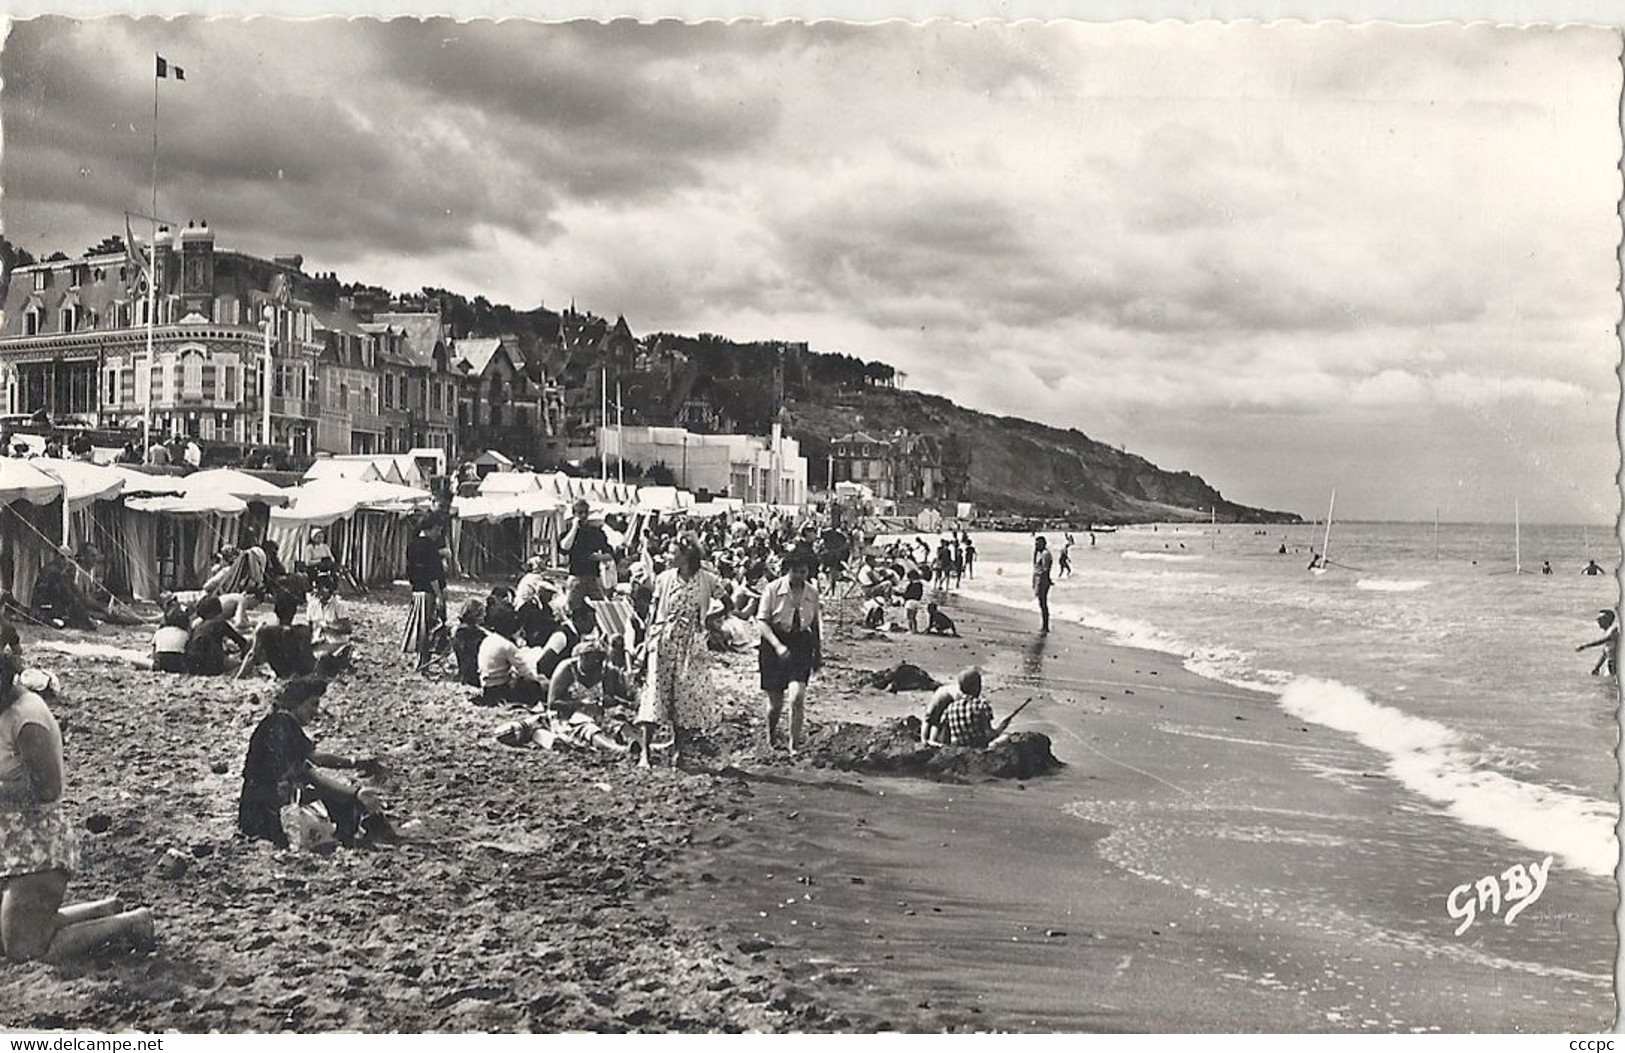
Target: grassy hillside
1018, 466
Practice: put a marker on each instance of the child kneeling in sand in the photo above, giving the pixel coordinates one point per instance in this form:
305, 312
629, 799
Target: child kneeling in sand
938, 623
959, 716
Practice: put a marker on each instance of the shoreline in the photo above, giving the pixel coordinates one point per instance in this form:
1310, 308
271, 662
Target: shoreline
1207, 856
1200, 864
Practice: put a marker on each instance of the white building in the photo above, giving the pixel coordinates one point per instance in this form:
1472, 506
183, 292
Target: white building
742, 466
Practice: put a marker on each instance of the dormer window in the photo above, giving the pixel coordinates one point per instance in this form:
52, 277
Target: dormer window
31, 321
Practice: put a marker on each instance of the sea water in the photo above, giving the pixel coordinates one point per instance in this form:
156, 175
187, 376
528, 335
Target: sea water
1459, 672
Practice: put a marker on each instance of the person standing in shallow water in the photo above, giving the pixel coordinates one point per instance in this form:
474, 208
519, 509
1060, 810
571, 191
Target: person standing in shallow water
1043, 564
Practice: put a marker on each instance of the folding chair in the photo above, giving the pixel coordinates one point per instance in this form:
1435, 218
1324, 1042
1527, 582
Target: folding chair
616, 618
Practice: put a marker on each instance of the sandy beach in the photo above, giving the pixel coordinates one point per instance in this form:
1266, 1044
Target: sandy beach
1204, 862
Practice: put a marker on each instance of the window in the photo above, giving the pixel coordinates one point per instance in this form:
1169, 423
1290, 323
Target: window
389, 390
42, 279
69, 316
192, 374
143, 382
225, 378
31, 323
166, 377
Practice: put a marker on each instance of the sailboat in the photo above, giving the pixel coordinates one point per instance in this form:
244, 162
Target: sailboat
1318, 565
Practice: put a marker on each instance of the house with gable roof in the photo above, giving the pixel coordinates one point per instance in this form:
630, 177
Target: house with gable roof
498, 406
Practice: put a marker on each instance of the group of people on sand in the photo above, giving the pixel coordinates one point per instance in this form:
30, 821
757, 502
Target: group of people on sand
901, 572
614, 647
611, 652
202, 632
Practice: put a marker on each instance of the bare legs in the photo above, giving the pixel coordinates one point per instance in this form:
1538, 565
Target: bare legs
34, 924
646, 732
795, 693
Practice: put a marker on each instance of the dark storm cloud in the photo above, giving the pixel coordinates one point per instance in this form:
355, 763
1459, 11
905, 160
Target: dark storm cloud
413, 134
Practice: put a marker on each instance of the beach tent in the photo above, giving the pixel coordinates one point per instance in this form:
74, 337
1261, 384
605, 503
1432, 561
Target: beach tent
367, 523
32, 519
20, 480
260, 495
658, 498
358, 468
237, 484
168, 541
513, 483
86, 513
492, 533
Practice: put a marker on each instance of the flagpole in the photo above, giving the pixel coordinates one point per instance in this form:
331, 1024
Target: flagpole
152, 282
603, 424
620, 435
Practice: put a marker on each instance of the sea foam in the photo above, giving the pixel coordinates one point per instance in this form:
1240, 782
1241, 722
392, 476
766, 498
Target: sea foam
1166, 557
1426, 757
1430, 759
1391, 584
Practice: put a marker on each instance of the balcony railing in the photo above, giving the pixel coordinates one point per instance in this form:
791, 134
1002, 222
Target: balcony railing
288, 406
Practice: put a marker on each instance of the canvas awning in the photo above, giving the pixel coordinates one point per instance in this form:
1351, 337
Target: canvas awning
512, 483
237, 484
325, 501
505, 506
83, 482
198, 504
21, 481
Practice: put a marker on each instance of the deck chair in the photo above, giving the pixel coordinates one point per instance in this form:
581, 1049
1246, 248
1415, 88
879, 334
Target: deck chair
616, 618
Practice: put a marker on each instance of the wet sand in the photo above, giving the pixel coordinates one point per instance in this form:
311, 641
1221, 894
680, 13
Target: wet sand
1202, 863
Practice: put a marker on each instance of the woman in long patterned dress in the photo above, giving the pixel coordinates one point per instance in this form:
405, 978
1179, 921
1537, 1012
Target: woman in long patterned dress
677, 687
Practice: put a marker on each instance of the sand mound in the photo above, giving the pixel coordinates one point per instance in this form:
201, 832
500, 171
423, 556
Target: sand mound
895, 749
904, 676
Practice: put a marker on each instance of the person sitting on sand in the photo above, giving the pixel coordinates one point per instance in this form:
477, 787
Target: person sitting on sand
571, 632
206, 649
282, 762
960, 716
287, 648
169, 643
504, 677
466, 640
56, 600
1609, 642
874, 613
39, 847
939, 623
577, 694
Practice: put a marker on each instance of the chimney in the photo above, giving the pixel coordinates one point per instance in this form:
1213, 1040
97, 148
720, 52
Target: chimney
197, 269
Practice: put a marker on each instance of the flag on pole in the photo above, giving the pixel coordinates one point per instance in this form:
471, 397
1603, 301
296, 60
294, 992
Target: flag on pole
165, 69
138, 264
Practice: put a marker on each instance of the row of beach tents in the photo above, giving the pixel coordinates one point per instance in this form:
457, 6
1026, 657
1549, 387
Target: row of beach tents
157, 532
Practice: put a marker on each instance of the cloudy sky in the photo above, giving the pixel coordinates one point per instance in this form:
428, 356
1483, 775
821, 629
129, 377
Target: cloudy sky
1283, 257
